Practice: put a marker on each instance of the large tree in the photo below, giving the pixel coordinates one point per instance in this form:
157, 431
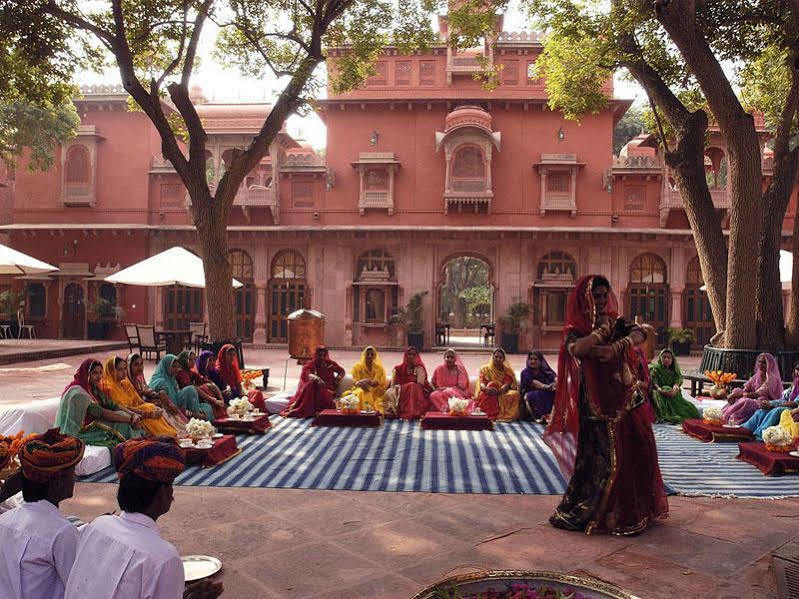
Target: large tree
675, 50
154, 44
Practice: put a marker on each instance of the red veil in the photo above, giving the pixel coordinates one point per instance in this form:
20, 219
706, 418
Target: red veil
564, 425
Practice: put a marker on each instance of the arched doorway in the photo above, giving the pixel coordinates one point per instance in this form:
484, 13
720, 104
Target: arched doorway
466, 300
242, 269
287, 291
73, 314
696, 306
648, 293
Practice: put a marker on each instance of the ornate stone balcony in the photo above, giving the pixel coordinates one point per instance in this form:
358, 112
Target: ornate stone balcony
671, 199
75, 195
637, 164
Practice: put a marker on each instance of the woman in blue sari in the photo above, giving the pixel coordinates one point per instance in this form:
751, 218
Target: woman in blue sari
186, 399
537, 387
771, 411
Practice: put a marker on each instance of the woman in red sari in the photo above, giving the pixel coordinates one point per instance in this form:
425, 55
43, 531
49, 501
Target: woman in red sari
409, 395
227, 365
601, 432
318, 383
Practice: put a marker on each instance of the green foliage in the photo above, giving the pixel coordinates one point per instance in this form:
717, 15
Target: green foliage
10, 302
36, 127
107, 311
411, 315
465, 296
765, 82
679, 336
628, 127
516, 317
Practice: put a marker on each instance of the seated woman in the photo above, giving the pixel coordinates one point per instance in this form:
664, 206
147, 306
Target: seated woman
84, 412
206, 390
116, 386
369, 380
172, 414
186, 399
499, 395
450, 379
770, 412
670, 405
205, 365
765, 385
409, 395
537, 389
227, 364
317, 389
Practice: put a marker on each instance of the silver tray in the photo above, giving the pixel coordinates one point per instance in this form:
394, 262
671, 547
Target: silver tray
197, 567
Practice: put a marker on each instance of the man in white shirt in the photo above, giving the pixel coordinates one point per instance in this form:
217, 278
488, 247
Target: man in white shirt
38, 543
124, 557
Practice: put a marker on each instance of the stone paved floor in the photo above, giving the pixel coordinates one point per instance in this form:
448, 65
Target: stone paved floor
310, 543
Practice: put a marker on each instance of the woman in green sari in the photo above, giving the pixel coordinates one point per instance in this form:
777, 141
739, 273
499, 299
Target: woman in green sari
85, 412
670, 405
186, 399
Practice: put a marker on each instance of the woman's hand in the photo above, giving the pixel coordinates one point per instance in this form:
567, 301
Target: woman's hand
764, 404
135, 420
603, 353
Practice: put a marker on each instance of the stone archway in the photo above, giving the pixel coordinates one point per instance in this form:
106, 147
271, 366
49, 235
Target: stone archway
465, 299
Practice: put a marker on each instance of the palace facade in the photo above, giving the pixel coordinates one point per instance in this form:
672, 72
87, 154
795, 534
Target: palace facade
423, 165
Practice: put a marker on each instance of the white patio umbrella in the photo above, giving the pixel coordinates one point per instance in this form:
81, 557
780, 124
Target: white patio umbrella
13, 262
786, 270
175, 266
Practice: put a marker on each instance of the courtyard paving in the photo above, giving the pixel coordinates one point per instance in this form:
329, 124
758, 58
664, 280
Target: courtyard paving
314, 543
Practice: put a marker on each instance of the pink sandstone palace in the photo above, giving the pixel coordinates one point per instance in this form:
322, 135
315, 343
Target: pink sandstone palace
423, 165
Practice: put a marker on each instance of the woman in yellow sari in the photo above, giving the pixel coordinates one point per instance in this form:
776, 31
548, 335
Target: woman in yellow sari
370, 382
499, 391
119, 389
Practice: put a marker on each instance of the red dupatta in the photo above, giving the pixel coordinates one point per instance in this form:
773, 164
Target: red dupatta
81, 378
229, 373
326, 371
402, 375
564, 427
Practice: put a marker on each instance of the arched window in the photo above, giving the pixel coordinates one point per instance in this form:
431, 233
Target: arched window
557, 265
76, 165
288, 264
693, 275
648, 268
36, 300
241, 265
468, 169
556, 273
242, 269
287, 292
648, 293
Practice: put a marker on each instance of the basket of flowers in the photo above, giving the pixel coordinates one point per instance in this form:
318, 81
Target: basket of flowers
712, 416
248, 378
778, 439
239, 407
458, 406
349, 404
199, 429
721, 383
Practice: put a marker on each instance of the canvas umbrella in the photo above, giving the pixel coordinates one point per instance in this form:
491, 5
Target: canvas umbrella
175, 266
13, 262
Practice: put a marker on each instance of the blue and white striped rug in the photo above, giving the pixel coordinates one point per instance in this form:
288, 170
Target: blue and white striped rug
401, 456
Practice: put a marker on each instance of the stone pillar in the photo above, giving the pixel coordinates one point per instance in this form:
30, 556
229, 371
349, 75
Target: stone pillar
675, 321
259, 331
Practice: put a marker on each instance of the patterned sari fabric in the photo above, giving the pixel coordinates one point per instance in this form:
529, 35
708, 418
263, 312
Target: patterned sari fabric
409, 395
600, 435
767, 388
503, 407
670, 409
186, 399
372, 397
173, 416
450, 383
122, 393
230, 376
81, 410
537, 403
313, 396
774, 415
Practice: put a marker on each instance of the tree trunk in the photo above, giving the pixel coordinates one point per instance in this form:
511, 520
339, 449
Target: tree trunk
792, 331
211, 224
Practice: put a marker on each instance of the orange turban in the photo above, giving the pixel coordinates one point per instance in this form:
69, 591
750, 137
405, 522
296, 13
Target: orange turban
158, 459
46, 456
5, 456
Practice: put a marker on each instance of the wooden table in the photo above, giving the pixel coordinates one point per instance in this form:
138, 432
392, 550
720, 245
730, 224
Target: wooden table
467, 422
770, 463
336, 418
176, 339
715, 433
256, 426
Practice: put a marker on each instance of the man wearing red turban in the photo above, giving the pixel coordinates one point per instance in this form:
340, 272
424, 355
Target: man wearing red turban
38, 543
124, 557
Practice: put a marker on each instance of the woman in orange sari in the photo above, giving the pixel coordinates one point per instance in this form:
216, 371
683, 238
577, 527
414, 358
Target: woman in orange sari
409, 395
227, 365
601, 430
499, 391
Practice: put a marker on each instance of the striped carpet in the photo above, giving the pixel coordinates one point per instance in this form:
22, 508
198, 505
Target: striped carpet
401, 456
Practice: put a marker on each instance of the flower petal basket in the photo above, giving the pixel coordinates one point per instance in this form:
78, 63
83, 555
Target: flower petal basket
779, 448
503, 583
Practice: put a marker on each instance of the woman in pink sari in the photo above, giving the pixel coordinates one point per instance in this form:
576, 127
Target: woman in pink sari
765, 385
450, 379
409, 395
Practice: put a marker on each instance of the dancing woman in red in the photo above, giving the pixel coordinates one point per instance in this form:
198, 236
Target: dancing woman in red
601, 432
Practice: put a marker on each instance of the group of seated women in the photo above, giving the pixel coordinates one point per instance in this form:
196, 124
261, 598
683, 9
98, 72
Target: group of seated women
111, 403
762, 403
410, 393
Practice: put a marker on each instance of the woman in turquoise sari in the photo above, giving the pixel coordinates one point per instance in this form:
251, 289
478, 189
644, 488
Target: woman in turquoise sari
771, 411
85, 412
186, 399
670, 405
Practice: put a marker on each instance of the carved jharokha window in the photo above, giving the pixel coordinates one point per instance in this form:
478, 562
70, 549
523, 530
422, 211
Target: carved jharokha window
377, 171
468, 170
557, 271
77, 166
375, 291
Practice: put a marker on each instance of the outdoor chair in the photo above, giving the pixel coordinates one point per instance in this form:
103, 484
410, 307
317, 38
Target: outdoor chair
132, 334
198, 336
147, 341
24, 327
5, 331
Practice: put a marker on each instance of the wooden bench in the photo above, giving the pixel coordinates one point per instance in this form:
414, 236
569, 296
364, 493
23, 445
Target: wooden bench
698, 382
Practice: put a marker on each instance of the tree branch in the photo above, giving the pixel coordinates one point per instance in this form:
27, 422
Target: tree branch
191, 52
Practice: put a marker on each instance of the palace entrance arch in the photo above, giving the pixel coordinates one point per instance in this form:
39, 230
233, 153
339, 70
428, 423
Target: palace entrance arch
465, 300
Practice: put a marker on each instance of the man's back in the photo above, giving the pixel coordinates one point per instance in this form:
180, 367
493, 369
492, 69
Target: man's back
37, 551
124, 557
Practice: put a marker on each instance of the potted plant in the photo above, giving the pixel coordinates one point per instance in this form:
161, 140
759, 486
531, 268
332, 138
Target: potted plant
10, 302
106, 313
411, 318
513, 323
680, 340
